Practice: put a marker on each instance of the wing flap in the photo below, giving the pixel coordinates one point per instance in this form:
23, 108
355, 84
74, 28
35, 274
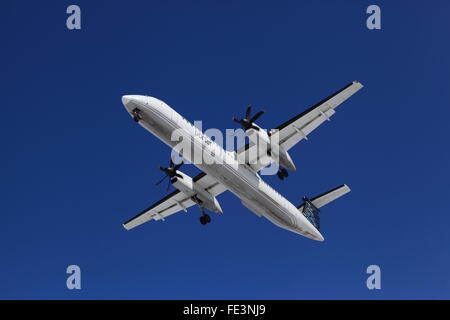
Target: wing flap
300, 133
210, 184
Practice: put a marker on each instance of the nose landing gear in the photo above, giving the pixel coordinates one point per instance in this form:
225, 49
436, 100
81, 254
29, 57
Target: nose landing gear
136, 115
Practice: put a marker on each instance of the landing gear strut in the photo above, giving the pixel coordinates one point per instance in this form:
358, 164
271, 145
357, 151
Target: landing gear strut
136, 115
204, 218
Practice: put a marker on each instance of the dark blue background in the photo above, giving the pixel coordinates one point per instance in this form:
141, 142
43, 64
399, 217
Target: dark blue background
74, 165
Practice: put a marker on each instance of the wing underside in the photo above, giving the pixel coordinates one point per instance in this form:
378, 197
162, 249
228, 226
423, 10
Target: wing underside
299, 127
175, 202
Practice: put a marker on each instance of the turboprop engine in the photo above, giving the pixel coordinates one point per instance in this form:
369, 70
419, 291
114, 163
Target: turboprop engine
267, 152
191, 189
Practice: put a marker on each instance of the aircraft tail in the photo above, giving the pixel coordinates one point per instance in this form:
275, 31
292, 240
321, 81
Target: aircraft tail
310, 207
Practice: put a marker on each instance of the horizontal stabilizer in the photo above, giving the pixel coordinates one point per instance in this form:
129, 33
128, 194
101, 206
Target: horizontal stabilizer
329, 196
310, 207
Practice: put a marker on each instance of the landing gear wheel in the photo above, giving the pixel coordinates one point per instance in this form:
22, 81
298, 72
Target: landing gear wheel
282, 173
205, 219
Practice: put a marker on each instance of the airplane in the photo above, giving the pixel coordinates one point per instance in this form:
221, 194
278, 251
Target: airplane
230, 172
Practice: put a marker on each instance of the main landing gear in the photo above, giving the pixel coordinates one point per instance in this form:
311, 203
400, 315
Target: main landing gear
204, 218
136, 115
282, 173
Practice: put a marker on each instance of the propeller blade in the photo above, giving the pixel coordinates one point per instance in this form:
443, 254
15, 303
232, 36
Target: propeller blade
247, 122
248, 112
168, 185
256, 116
161, 180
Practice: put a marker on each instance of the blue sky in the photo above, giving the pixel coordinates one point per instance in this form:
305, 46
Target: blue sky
74, 166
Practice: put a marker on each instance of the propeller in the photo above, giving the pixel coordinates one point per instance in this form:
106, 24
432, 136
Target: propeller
247, 122
170, 172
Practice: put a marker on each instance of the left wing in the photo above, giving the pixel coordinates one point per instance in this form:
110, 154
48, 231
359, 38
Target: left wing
175, 202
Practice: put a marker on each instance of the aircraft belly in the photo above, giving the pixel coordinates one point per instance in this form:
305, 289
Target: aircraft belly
247, 187
262, 202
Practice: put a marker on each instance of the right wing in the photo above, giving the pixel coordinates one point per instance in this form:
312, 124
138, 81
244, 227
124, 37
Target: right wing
299, 127
175, 201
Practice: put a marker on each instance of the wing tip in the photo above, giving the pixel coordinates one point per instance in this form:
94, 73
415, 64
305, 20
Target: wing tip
125, 226
346, 187
359, 84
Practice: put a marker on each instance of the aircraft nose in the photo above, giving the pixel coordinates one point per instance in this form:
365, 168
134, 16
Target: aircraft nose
130, 102
126, 99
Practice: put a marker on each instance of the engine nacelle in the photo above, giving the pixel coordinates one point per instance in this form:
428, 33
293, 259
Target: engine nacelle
184, 184
275, 151
284, 158
258, 136
193, 190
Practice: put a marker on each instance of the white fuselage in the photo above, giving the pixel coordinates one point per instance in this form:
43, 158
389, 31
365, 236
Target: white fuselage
240, 179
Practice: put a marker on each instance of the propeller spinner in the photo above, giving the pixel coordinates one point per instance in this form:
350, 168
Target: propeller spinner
171, 172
